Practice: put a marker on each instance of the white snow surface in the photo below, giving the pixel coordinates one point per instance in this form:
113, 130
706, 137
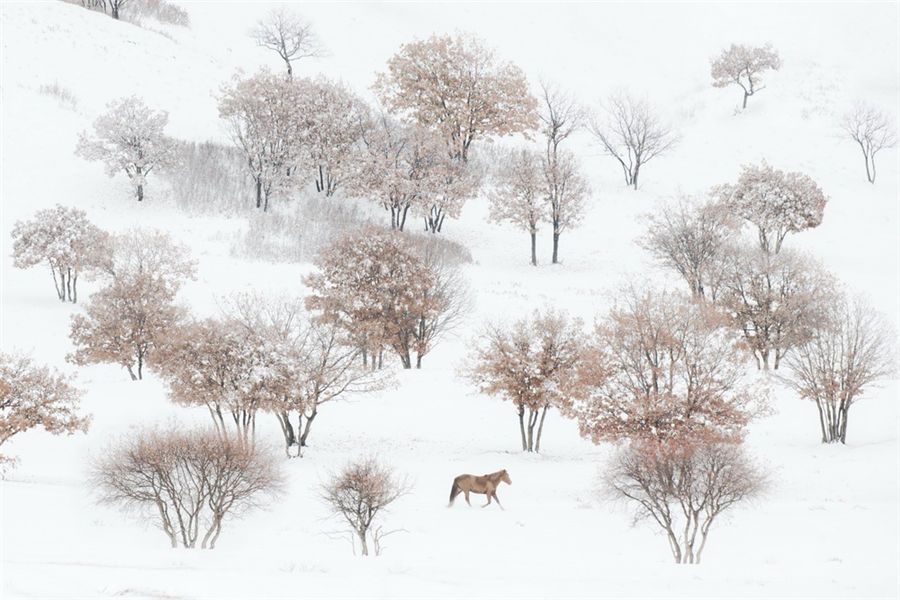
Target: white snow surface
828, 525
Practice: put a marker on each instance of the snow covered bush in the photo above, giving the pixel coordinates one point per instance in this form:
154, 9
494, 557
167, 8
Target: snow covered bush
873, 130
374, 285
691, 238
743, 66
134, 313
209, 178
36, 396
847, 353
776, 301
777, 203
456, 87
129, 138
629, 130
683, 486
359, 494
192, 481
534, 364
66, 240
662, 368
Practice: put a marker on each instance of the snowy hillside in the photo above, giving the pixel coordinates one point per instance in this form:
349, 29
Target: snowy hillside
827, 526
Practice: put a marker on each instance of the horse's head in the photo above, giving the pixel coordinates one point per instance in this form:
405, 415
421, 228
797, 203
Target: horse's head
504, 476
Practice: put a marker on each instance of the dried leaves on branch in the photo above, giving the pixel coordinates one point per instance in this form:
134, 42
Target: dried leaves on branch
457, 87
189, 481
36, 396
533, 364
661, 367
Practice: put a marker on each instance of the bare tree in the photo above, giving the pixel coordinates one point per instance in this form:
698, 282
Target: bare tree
743, 66
663, 368
777, 203
36, 396
192, 480
560, 116
629, 131
359, 494
845, 355
533, 364
518, 196
289, 35
64, 238
456, 86
690, 238
873, 130
129, 138
683, 487
565, 193
777, 301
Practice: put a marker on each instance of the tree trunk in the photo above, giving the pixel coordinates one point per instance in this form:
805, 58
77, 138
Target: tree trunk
746, 95
74, 295
555, 248
258, 192
537, 443
131, 372
362, 540
309, 419
287, 430
57, 285
290, 69
520, 410
534, 248
418, 361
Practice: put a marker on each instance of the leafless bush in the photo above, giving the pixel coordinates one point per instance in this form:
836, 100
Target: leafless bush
209, 178
192, 480
850, 350
359, 494
63, 94
158, 10
683, 488
299, 231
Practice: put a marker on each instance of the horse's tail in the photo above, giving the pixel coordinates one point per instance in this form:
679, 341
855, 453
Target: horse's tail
454, 492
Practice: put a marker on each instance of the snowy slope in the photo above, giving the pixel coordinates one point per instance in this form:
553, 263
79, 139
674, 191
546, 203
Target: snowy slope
829, 523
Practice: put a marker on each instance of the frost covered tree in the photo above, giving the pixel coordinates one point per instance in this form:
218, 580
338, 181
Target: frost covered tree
127, 320
306, 364
691, 238
189, 482
374, 285
264, 121
873, 130
129, 138
777, 203
359, 494
533, 364
288, 35
334, 120
34, 395
776, 301
629, 130
407, 168
66, 240
846, 354
743, 66
456, 86
661, 367
683, 486
518, 195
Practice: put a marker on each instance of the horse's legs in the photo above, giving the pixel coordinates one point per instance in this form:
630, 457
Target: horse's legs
498, 501
467, 497
489, 493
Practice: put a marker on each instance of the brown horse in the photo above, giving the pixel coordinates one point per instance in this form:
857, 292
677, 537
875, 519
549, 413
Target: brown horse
486, 484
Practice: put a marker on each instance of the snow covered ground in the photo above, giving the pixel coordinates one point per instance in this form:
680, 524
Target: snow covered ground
828, 525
